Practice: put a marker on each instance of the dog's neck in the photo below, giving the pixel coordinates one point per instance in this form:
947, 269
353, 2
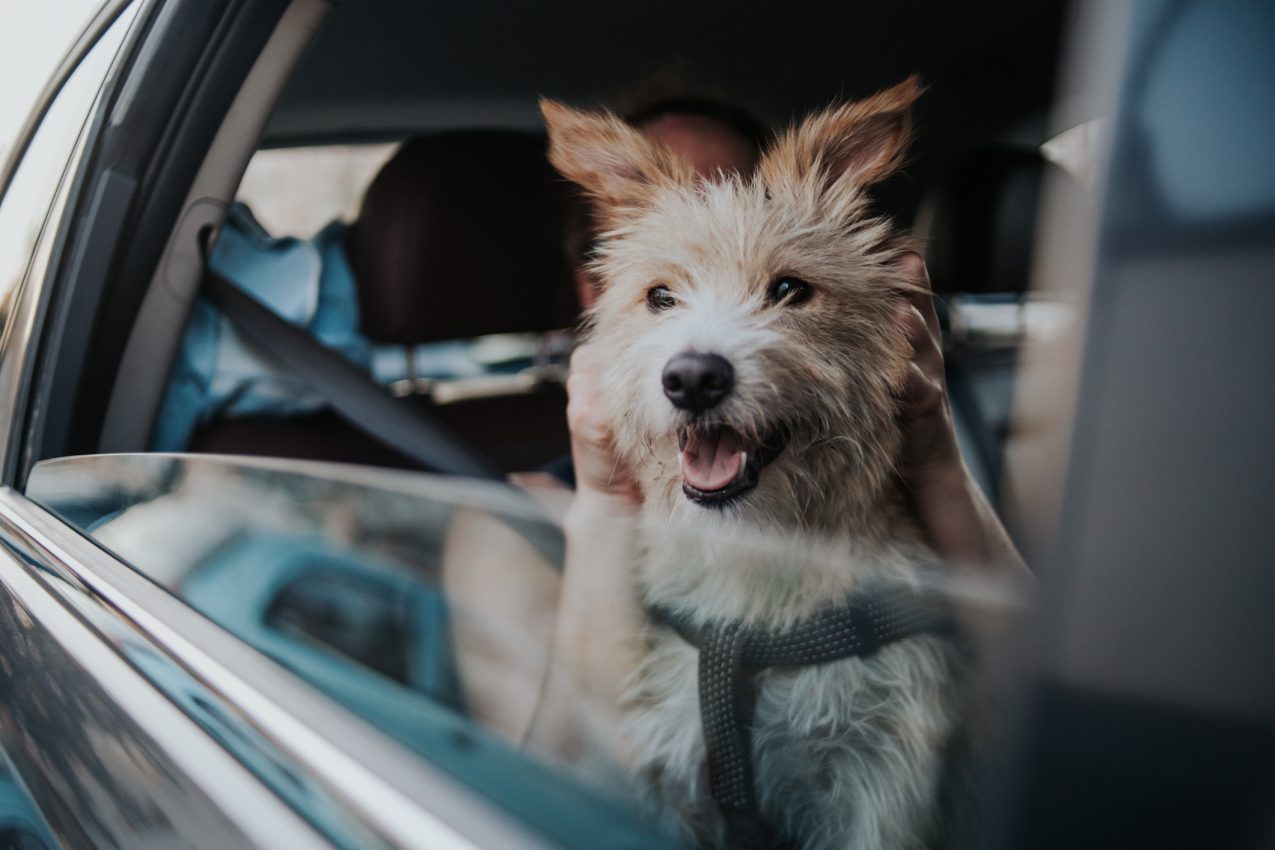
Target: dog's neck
775, 569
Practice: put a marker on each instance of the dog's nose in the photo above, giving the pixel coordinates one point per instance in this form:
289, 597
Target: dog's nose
697, 382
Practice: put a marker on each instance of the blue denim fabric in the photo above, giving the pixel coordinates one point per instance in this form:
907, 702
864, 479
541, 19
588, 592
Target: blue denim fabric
307, 282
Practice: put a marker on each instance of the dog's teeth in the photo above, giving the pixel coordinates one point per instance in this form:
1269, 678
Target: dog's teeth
743, 468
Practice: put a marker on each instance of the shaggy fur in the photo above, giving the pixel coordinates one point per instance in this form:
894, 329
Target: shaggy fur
847, 753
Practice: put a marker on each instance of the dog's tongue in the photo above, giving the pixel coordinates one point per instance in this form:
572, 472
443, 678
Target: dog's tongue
710, 462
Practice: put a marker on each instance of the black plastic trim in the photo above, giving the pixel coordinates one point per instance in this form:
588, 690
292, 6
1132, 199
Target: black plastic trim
179, 90
87, 266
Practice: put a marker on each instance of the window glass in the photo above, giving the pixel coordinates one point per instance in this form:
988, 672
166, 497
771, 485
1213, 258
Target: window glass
23, 208
297, 191
432, 608
423, 605
33, 41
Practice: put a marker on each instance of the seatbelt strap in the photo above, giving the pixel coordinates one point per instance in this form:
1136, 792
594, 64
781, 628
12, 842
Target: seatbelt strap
350, 392
730, 657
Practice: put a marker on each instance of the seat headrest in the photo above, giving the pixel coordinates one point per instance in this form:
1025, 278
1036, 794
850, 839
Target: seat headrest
460, 235
979, 224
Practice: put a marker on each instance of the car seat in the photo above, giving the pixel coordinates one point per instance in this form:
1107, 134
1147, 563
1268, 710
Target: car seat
460, 236
978, 227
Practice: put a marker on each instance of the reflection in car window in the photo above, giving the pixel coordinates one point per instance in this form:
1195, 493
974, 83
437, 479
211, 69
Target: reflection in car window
398, 595
354, 617
22, 826
424, 604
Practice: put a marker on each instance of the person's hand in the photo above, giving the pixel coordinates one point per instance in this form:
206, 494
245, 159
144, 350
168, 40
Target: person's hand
597, 638
954, 515
930, 453
600, 476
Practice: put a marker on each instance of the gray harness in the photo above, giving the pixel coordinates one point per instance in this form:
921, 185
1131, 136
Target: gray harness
731, 656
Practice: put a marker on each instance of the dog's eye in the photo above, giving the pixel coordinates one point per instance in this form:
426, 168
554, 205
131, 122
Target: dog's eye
659, 298
788, 291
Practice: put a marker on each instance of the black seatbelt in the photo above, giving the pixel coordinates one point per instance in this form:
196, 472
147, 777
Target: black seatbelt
354, 396
730, 657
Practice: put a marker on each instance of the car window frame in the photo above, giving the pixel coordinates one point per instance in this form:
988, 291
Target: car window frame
190, 57
84, 652
29, 297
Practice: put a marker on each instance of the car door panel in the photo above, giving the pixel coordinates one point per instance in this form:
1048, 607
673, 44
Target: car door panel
110, 760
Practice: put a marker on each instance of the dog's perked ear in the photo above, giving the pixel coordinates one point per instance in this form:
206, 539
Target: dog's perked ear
851, 145
610, 160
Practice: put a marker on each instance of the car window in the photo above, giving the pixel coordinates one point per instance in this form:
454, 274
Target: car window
421, 604
32, 43
425, 605
28, 204
297, 191
23, 207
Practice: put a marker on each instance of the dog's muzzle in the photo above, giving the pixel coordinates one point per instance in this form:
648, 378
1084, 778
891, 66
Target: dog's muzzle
719, 464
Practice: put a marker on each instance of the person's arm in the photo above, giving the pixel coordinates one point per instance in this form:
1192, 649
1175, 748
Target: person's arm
955, 516
597, 639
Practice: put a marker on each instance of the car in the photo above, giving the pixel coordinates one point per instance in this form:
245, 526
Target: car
255, 633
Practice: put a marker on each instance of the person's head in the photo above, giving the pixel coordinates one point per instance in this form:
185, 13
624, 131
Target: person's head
716, 138
713, 136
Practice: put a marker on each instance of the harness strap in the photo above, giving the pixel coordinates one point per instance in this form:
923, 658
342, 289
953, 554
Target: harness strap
731, 656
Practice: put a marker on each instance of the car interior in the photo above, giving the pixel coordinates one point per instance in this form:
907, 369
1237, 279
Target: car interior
456, 246
461, 236
459, 260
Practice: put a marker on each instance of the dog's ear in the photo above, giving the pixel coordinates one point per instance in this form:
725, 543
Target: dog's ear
607, 158
854, 144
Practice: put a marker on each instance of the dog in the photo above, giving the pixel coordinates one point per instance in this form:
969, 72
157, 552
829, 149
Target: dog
751, 358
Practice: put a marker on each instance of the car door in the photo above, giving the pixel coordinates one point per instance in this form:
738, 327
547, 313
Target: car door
284, 685
91, 756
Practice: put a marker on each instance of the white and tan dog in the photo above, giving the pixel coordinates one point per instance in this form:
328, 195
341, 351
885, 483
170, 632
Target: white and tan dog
749, 353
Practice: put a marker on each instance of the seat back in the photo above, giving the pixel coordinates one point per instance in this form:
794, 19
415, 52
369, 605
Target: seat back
460, 235
979, 228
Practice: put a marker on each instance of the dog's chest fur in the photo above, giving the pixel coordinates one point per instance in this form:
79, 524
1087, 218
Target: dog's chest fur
846, 754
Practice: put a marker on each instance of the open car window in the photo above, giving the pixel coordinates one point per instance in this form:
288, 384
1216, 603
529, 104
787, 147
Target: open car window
423, 605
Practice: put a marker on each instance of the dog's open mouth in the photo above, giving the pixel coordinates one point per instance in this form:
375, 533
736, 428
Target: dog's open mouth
719, 464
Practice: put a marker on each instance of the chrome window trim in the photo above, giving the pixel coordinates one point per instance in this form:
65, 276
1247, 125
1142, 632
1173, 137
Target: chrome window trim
399, 796
189, 771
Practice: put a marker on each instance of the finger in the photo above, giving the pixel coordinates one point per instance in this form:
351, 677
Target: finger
926, 350
913, 266
920, 392
913, 323
587, 426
